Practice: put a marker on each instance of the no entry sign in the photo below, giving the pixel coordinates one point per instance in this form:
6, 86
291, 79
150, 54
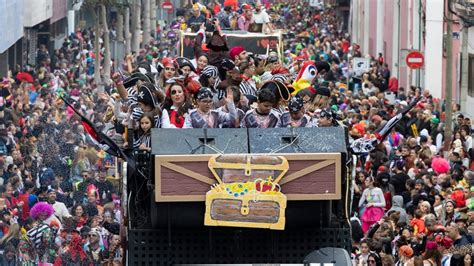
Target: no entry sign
415, 60
168, 6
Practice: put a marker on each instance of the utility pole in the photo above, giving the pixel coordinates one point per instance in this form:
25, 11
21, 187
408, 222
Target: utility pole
448, 128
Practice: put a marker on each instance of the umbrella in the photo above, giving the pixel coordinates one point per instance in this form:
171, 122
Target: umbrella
24, 76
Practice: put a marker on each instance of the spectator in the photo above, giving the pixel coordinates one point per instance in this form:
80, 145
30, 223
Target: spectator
373, 201
454, 232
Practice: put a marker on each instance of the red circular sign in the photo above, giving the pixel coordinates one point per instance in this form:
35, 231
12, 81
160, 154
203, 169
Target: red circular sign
415, 60
167, 5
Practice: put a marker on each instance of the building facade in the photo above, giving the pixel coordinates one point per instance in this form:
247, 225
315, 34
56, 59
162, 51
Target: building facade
26, 24
396, 27
11, 33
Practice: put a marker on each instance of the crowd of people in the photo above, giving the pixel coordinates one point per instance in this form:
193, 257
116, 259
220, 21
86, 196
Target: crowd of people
412, 194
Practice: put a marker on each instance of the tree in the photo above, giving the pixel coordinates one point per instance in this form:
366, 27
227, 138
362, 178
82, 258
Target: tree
153, 18
120, 18
92, 6
105, 28
128, 45
97, 8
146, 21
136, 25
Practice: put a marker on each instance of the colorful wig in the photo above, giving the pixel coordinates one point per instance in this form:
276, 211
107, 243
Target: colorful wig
440, 165
41, 208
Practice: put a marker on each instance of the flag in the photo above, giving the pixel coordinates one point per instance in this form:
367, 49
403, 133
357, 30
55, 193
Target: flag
100, 139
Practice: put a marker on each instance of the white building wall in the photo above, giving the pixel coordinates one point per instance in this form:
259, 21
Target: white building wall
355, 20
11, 29
366, 33
380, 27
434, 49
36, 11
396, 38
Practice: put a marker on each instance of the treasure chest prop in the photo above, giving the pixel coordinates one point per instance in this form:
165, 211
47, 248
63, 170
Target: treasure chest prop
247, 193
187, 178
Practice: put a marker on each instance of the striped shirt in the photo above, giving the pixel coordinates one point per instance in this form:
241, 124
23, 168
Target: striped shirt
142, 139
36, 233
248, 87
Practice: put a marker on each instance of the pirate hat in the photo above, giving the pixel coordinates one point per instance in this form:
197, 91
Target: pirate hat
135, 77
280, 90
145, 94
183, 61
217, 43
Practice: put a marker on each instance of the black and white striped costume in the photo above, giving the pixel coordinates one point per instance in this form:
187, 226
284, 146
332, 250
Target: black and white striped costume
35, 234
248, 87
142, 139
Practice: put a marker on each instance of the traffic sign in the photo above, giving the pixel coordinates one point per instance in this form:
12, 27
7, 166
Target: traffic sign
415, 60
167, 6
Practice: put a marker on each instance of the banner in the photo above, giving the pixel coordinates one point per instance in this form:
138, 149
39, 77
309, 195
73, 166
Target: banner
360, 65
252, 42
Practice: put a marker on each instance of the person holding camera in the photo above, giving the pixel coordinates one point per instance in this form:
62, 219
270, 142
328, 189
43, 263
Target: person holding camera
196, 18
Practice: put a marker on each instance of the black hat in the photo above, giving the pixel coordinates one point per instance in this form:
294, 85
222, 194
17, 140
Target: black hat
272, 59
217, 43
227, 64
204, 93
383, 177
322, 65
326, 113
183, 61
145, 94
146, 68
135, 77
324, 91
280, 90
251, 98
296, 104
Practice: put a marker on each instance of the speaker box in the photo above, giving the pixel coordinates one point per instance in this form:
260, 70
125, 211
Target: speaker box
297, 140
169, 141
337, 256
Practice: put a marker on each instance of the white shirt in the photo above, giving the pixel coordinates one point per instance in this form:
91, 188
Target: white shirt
261, 17
60, 210
468, 143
